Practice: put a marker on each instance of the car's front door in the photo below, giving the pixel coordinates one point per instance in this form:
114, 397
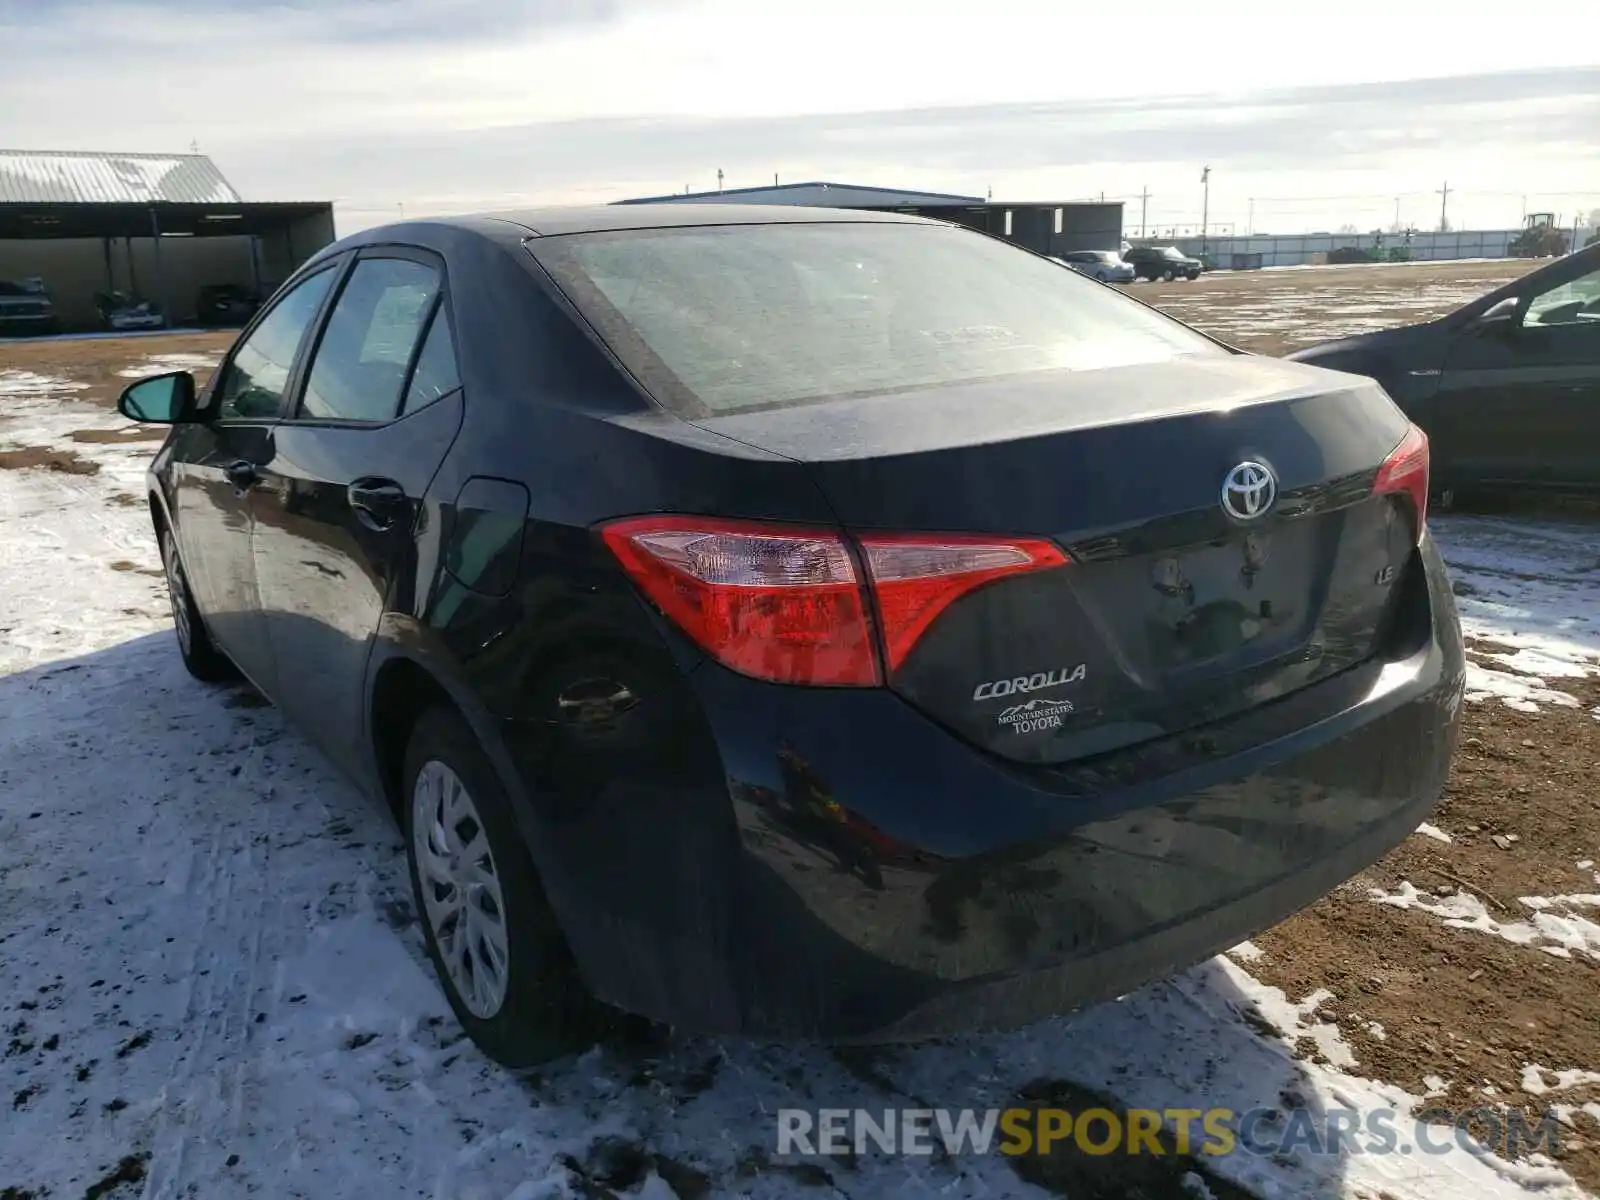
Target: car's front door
1519, 400
379, 404
218, 464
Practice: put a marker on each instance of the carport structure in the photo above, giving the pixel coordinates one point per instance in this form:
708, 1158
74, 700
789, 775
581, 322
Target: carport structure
160, 226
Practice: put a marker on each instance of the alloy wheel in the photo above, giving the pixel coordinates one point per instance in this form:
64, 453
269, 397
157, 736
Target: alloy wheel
177, 593
461, 894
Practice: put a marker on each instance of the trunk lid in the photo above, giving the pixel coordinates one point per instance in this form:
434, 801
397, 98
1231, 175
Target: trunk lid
1173, 612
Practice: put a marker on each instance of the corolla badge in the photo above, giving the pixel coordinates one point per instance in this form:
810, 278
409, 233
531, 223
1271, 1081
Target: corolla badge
1249, 490
1038, 681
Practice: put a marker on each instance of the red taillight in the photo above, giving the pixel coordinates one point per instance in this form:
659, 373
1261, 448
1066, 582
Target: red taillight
789, 605
916, 577
766, 600
1405, 472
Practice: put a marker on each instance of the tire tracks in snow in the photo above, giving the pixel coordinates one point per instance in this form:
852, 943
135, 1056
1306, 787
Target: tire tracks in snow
205, 1103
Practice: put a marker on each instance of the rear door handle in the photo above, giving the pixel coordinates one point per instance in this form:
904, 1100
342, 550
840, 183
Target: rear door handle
242, 474
378, 503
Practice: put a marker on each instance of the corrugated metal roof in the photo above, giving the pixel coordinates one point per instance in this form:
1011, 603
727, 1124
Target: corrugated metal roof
72, 177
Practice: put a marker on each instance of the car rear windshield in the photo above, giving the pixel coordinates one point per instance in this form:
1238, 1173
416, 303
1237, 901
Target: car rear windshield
732, 318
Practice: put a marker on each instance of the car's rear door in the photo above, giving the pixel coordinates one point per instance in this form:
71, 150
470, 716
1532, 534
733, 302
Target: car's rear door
218, 466
379, 403
1519, 402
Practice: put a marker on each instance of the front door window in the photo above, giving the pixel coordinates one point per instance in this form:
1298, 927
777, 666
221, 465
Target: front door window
254, 380
1574, 303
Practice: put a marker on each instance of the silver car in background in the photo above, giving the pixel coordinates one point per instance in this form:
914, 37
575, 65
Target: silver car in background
1105, 265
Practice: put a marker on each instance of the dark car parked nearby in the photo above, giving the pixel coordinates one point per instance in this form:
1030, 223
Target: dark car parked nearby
26, 308
225, 304
1162, 262
805, 623
1507, 387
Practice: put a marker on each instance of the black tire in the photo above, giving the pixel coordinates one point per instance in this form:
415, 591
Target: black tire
1166, 276
1193, 275
546, 1010
200, 655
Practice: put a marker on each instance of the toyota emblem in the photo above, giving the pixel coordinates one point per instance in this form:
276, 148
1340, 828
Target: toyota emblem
1248, 491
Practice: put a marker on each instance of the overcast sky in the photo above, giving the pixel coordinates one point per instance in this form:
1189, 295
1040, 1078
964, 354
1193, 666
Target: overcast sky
1319, 113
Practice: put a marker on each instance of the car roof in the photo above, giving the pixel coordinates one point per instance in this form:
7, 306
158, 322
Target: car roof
554, 221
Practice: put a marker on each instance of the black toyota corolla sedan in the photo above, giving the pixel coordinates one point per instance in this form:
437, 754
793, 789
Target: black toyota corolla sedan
809, 624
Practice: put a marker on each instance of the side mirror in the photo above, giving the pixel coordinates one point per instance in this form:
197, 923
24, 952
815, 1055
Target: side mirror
160, 400
1498, 320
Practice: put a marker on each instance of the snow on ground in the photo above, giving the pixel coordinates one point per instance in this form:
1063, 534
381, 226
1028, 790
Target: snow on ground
1557, 925
1533, 1079
15, 384
208, 959
1529, 598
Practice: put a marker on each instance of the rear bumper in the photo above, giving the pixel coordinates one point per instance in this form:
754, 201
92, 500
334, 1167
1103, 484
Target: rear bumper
860, 874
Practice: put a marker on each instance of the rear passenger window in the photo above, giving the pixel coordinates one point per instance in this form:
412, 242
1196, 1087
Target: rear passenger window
360, 364
436, 374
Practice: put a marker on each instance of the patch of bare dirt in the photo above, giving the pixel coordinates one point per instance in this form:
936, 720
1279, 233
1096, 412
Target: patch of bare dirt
1274, 312
44, 459
1463, 1005
97, 361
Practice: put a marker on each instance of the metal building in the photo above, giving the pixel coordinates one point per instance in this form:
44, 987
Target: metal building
1048, 228
160, 226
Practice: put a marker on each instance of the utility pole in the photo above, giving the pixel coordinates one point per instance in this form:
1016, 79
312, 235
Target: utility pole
1444, 203
719, 179
774, 179
1144, 208
1250, 225
1205, 207
1397, 214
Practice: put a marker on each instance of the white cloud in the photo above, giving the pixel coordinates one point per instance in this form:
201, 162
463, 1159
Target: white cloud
471, 104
